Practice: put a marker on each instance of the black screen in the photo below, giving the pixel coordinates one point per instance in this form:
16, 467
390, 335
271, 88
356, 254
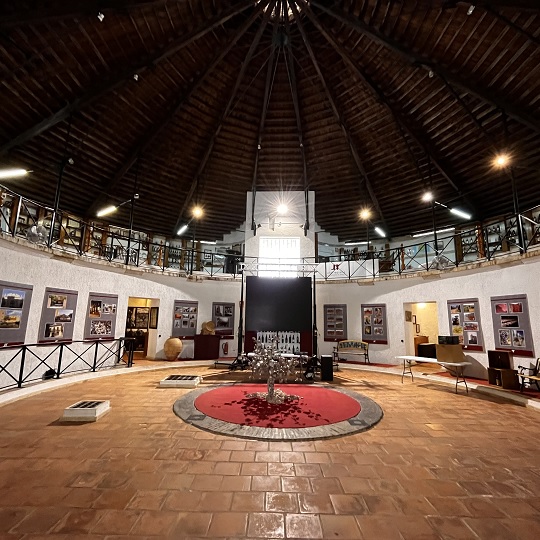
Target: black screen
274, 304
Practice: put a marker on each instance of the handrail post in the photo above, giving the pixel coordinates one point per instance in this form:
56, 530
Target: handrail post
95, 357
21, 370
59, 367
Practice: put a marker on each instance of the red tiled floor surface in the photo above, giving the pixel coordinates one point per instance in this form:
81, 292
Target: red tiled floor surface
438, 466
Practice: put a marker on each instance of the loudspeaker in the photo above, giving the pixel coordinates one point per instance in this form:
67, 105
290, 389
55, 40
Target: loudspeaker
327, 368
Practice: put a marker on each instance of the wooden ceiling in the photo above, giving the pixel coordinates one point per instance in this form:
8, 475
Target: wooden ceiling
366, 102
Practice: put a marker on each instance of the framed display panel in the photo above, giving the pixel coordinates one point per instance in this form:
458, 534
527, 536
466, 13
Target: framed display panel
100, 320
57, 315
511, 324
374, 323
185, 317
335, 322
223, 318
465, 323
15, 301
154, 315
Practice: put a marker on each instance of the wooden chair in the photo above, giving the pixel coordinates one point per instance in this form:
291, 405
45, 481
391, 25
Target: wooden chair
532, 376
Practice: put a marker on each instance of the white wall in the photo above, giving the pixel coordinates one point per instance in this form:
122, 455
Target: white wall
28, 265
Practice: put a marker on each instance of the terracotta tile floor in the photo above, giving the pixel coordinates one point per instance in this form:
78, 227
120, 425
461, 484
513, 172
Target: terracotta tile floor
438, 466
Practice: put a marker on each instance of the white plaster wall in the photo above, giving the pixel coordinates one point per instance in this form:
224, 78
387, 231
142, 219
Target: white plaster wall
26, 265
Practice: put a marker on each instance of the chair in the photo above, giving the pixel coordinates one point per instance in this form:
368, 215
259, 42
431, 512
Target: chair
532, 376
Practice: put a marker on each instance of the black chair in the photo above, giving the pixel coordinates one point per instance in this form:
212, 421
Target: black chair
532, 376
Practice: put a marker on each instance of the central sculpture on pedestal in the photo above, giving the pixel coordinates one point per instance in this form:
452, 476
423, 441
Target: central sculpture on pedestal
267, 359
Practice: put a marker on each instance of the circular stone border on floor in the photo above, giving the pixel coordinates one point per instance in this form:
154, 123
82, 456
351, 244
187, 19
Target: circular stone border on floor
370, 414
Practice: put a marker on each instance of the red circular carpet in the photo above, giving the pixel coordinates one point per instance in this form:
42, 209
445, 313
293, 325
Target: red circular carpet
317, 406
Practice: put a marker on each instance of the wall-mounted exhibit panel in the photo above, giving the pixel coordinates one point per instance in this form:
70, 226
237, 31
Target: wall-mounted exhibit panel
57, 315
223, 318
100, 320
465, 323
15, 301
185, 317
511, 324
374, 323
335, 322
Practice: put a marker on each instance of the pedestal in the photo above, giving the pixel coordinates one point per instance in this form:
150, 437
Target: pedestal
206, 347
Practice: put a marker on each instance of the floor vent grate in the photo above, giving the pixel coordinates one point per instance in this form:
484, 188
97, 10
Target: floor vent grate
87, 410
181, 381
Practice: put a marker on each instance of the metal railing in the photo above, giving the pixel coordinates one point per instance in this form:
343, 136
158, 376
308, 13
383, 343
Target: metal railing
21, 217
25, 363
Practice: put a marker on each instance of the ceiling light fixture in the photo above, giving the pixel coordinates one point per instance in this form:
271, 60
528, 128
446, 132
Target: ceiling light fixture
12, 173
429, 233
282, 209
100, 16
107, 210
470, 10
365, 214
211, 242
460, 213
427, 196
380, 232
501, 161
197, 212
355, 243
182, 229
136, 77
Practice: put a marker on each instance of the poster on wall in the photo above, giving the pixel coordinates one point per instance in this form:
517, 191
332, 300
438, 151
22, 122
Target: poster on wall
335, 322
374, 323
15, 301
465, 323
185, 317
100, 322
57, 315
511, 324
223, 318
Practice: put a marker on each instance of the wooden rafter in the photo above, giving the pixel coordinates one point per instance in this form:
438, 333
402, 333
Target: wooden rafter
414, 58
96, 92
262, 122
150, 135
70, 9
379, 95
267, 8
338, 116
296, 104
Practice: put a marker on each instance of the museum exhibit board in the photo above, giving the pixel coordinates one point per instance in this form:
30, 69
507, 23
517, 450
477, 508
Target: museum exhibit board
511, 324
335, 322
465, 323
15, 301
57, 315
100, 320
185, 318
223, 318
374, 323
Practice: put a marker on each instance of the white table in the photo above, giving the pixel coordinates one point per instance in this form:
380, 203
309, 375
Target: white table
455, 368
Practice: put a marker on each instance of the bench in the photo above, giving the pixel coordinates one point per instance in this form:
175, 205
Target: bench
455, 368
352, 347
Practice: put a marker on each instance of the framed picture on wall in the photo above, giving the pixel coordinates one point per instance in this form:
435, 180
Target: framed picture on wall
465, 323
335, 322
154, 313
374, 323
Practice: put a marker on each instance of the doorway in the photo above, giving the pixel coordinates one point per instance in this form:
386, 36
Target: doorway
421, 325
141, 324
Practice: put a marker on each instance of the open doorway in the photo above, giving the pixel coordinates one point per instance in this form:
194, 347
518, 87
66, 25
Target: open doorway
421, 325
141, 324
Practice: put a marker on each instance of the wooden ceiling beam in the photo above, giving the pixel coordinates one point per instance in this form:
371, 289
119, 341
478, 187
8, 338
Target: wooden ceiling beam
267, 8
70, 9
339, 118
399, 118
518, 114
98, 91
296, 104
150, 135
262, 122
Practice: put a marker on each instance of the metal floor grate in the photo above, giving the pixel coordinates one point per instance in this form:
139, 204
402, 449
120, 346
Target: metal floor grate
86, 405
181, 377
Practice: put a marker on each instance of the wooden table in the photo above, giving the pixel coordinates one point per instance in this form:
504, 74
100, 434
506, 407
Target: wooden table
455, 368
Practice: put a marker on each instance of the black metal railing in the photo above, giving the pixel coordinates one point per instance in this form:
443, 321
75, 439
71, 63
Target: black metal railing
24, 364
21, 217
